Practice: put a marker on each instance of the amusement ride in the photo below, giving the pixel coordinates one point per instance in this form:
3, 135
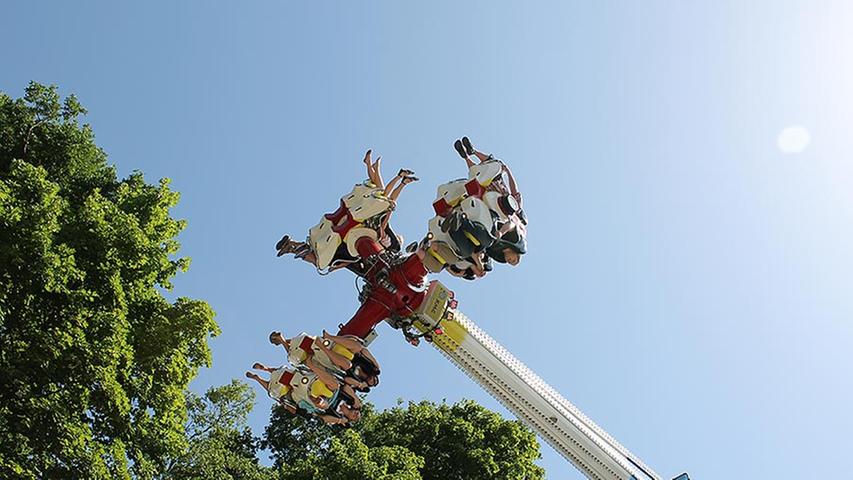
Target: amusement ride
479, 221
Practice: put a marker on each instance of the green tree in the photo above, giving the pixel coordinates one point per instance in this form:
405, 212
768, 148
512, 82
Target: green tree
459, 441
221, 445
347, 458
94, 360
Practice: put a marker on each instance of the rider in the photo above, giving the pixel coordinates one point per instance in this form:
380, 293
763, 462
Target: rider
439, 256
383, 200
319, 393
479, 265
512, 228
278, 386
344, 354
505, 203
311, 390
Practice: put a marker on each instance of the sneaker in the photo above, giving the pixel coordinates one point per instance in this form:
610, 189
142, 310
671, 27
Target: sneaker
281, 243
460, 149
469, 149
290, 246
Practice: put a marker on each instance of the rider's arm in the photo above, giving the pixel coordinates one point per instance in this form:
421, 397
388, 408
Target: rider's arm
455, 272
513, 188
478, 268
290, 408
332, 420
506, 227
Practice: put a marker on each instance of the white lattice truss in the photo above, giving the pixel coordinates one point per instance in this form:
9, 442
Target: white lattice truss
595, 453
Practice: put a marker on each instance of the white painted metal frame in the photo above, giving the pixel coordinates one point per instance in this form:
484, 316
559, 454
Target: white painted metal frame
595, 453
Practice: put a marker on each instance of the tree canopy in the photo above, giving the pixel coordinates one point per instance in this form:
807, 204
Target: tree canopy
94, 358
422, 440
221, 445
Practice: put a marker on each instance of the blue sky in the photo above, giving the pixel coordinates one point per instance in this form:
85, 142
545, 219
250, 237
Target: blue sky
688, 284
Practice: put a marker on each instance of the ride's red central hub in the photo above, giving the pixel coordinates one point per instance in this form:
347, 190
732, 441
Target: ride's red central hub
394, 290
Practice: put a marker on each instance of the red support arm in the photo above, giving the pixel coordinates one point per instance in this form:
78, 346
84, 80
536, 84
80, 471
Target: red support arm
367, 247
366, 317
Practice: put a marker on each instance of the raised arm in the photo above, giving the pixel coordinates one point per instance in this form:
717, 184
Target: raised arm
513, 187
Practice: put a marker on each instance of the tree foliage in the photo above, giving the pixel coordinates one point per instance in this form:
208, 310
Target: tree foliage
221, 445
94, 360
420, 441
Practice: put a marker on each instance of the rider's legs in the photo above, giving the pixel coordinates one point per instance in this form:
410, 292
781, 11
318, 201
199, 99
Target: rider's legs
261, 366
482, 157
257, 378
353, 344
356, 383
337, 359
390, 187
300, 249
371, 170
396, 193
377, 171
323, 375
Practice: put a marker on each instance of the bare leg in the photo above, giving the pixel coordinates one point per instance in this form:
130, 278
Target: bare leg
261, 366
324, 376
401, 175
377, 171
354, 346
396, 192
392, 183
482, 157
383, 231
461, 149
339, 360
257, 378
300, 249
371, 172
355, 383
311, 258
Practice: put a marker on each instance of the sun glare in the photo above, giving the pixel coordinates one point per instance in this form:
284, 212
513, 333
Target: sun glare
793, 139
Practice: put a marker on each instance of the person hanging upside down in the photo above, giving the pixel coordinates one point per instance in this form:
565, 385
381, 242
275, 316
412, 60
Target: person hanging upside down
460, 248
505, 202
374, 175
312, 390
465, 149
366, 211
318, 392
477, 266
512, 227
345, 355
364, 364
276, 387
488, 170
